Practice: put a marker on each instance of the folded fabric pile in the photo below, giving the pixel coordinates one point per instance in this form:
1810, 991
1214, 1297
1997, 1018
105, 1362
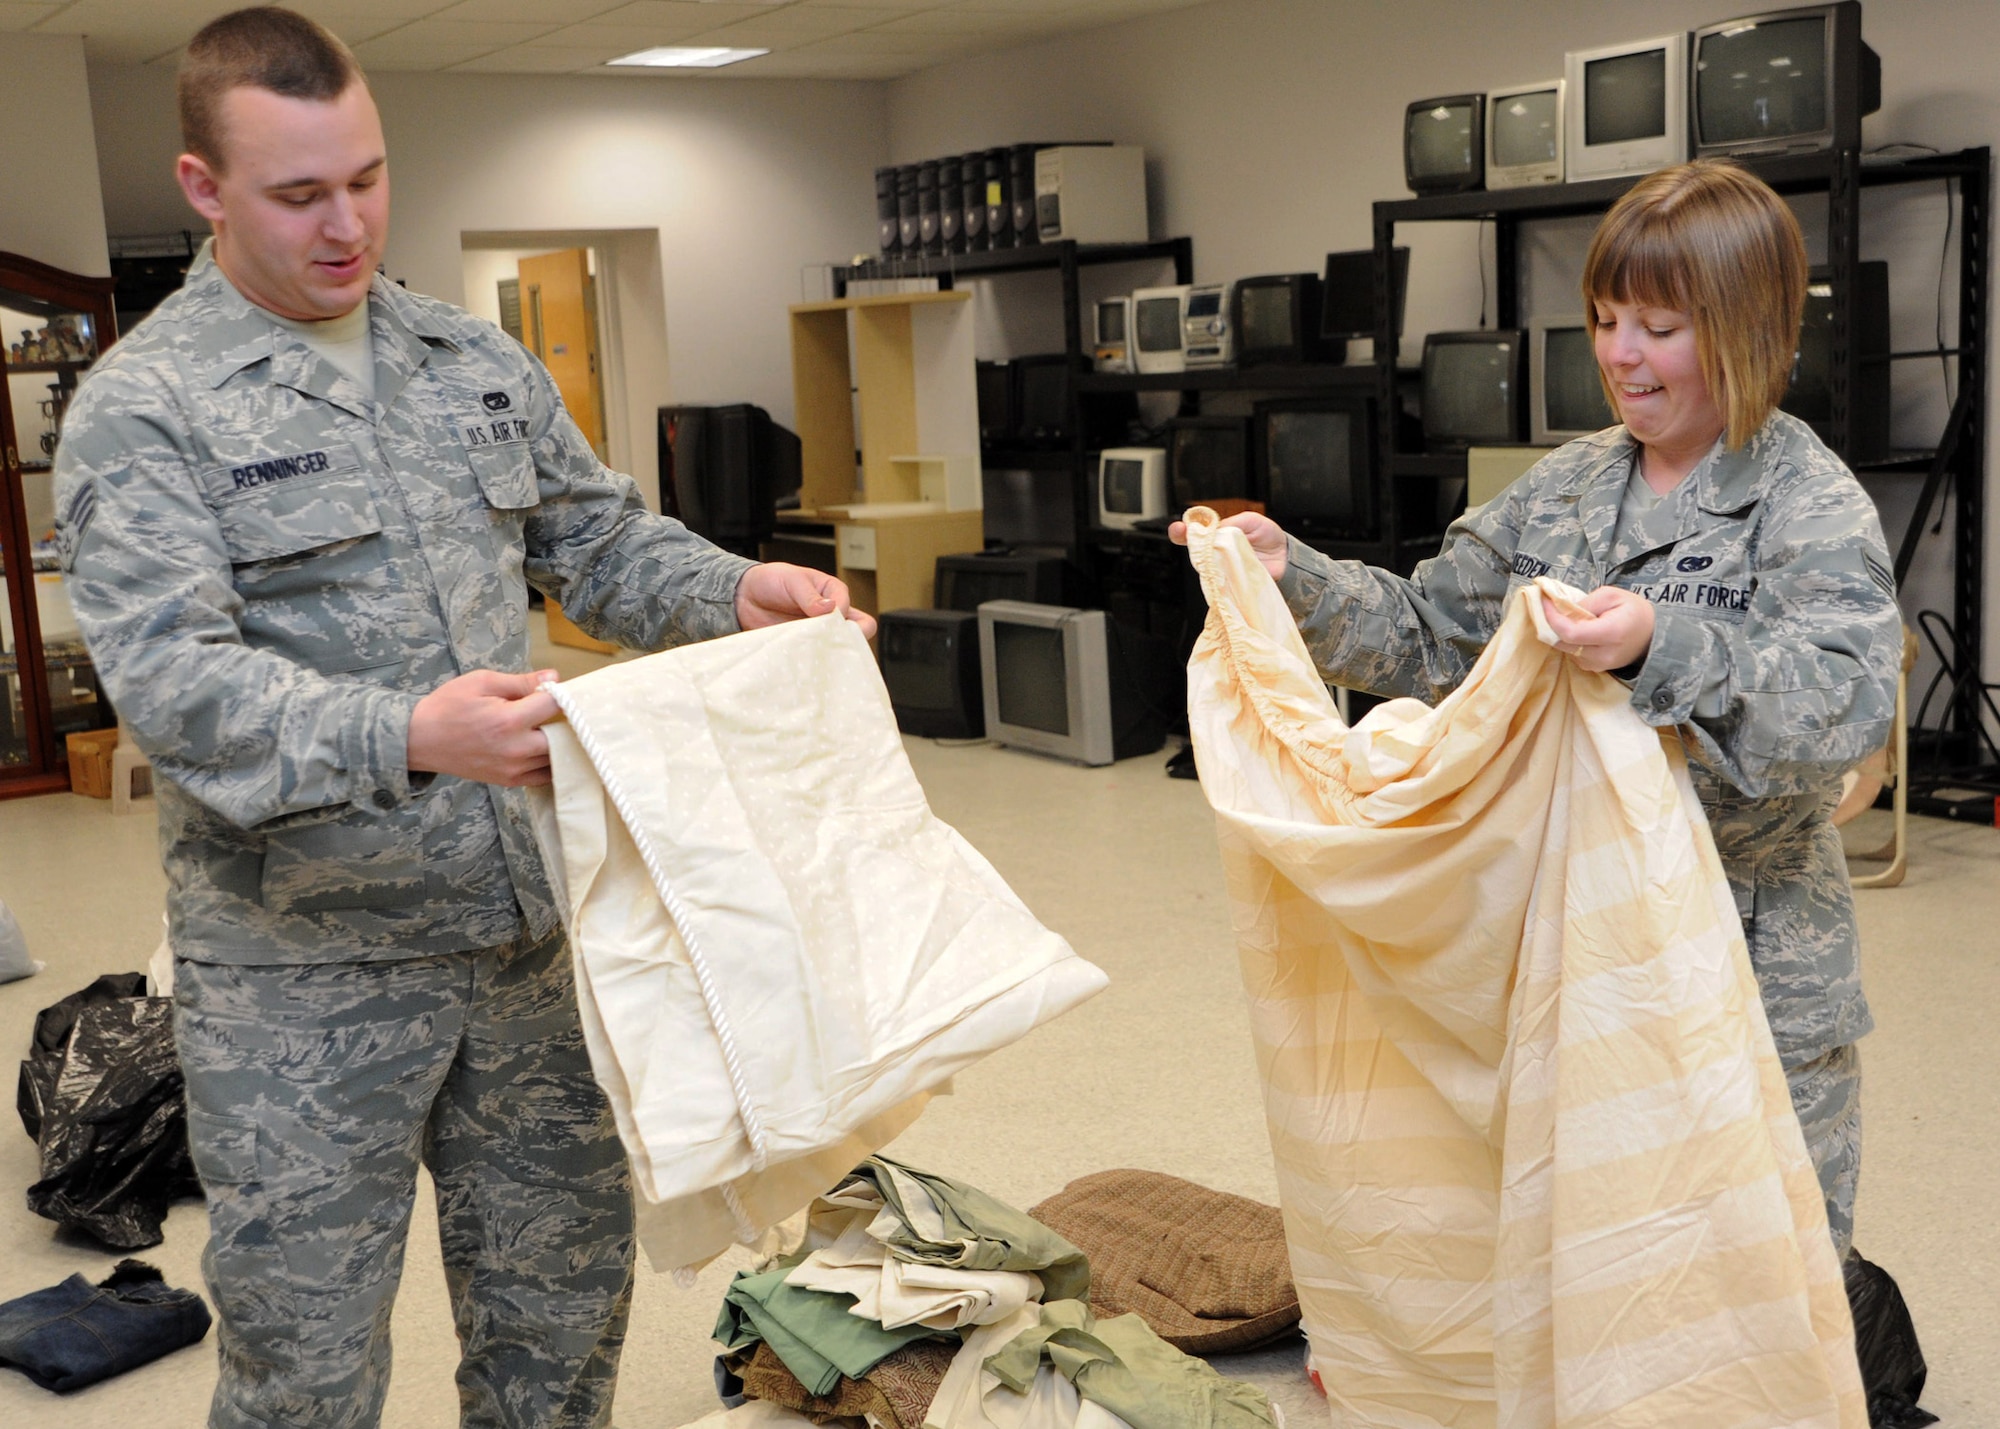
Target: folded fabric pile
918, 1302
1208, 1271
75, 1334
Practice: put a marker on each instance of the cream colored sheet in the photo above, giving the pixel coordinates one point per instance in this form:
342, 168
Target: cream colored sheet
1535, 1152
780, 951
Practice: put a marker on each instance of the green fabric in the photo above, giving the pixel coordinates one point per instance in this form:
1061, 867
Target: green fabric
968, 1229
1122, 1365
810, 1330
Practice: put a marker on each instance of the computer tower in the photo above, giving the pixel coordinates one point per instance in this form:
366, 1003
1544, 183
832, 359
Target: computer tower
1021, 193
951, 206
930, 239
972, 193
888, 231
1091, 193
999, 199
909, 221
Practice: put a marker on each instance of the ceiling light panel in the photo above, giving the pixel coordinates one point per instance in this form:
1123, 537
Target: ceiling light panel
686, 57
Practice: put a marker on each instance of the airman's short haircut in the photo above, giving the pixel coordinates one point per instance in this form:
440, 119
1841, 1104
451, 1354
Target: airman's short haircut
265, 47
1714, 241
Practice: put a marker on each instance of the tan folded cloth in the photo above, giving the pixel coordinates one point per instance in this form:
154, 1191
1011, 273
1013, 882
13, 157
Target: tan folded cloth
895, 1394
1208, 1271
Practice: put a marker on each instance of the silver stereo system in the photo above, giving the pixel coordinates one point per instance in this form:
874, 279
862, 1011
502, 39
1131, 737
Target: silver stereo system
1207, 340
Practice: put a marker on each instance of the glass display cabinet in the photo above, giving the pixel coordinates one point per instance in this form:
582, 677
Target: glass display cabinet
53, 325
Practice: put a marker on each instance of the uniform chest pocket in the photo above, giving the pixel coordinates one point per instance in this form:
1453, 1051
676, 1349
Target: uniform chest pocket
506, 476
310, 561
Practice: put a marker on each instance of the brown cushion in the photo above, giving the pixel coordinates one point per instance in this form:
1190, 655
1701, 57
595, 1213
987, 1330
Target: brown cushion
1207, 1270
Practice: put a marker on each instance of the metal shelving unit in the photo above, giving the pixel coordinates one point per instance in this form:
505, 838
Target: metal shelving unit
1959, 773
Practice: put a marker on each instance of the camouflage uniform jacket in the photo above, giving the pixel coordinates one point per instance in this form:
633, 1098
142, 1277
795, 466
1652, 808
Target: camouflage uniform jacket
1775, 651
271, 569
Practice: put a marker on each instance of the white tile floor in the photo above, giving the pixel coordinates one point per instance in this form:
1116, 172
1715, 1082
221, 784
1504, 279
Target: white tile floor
1156, 1072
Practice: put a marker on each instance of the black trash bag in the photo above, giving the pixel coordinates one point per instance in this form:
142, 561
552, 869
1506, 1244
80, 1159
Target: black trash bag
52, 1029
1885, 1340
110, 1113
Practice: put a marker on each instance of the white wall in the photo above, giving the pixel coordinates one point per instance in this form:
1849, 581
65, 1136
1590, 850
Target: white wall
1272, 126
51, 208
748, 183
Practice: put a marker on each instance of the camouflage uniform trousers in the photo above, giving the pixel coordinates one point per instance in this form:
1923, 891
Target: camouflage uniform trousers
313, 1093
1826, 1093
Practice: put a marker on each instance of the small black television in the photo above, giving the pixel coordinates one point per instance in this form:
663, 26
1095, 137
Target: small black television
1566, 389
1207, 458
1810, 395
1315, 464
1475, 388
930, 664
1347, 293
1444, 144
1783, 80
967, 580
1277, 319
724, 471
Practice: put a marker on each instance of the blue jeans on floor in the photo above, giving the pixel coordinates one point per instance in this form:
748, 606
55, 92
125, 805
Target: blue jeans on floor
75, 1334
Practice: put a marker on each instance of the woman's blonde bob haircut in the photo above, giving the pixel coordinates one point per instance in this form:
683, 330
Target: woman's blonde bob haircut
1711, 240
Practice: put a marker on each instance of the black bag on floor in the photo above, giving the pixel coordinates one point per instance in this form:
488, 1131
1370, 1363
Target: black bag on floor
101, 1094
1885, 1340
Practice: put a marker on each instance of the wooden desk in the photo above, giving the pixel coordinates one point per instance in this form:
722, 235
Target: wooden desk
887, 555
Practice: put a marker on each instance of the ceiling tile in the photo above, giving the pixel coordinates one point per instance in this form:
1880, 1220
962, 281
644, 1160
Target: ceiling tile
530, 59
960, 20
19, 17
394, 52
481, 38
619, 39
881, 42
799, 20
555, 12
677, 12
794, 65
750, 35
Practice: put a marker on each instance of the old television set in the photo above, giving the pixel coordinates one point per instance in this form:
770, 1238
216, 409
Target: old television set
1474, 388
1565, 390
1524, 135
1159, 329
1315, 464
930, 665
725, 470
1444, 144
1069, 683
1347, 293
1625, 108
1810, 395
1785, 80
1277, 319
1043, 410
967, 580
1209, 339
1111, 335
999, 421
1131, 486
1208, 459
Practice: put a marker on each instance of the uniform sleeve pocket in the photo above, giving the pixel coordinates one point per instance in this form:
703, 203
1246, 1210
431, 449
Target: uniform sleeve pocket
283, 520
224, 1148
506, 476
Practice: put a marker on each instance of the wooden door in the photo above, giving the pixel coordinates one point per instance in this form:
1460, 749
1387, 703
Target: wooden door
559, 315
